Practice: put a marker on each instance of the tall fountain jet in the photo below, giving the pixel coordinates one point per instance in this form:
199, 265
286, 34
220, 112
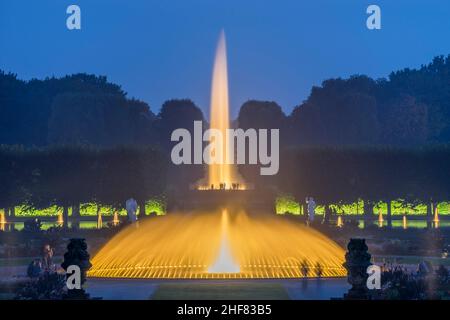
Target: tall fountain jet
219, 118
210, 245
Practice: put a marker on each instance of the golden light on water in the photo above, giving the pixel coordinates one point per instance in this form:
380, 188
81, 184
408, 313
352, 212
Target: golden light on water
436, 217
340, 223
2, 221
405, 222
225, 263
60, 219
116, 218
192, 246
380, 219
99, 220
221, 244
220, 119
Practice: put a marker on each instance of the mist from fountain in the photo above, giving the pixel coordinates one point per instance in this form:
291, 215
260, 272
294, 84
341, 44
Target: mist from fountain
218, 244
221, 173
191, 245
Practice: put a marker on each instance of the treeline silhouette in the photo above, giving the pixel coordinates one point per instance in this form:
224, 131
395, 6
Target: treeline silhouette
70, 176
411, 107
80, 138
346, 175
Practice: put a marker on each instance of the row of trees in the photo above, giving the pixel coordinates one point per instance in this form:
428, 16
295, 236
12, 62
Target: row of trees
69, 176
344, 175
74, 109
410, 107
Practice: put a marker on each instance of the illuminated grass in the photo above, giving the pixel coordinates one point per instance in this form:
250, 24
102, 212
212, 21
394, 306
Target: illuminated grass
181, 247
284, 204
25, 211
287, 204
155, 206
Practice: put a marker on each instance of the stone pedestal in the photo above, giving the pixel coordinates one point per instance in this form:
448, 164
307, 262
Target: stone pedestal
78, 255
357, 260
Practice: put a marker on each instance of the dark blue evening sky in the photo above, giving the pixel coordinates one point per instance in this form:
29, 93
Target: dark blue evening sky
277, 50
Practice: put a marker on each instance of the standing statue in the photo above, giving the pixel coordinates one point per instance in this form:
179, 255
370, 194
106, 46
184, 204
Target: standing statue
78, 255
357, 260
311, 208
131, 206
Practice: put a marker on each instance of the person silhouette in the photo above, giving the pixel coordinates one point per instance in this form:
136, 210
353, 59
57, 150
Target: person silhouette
131, 207
311, 208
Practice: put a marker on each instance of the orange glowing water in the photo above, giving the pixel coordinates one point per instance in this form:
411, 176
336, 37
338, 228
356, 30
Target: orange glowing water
380, 219
436, 215
99, 220
436, 218
225, 263
219, 244
60, 219
191, 246
116, 218
220, 119
2, 220
340, 223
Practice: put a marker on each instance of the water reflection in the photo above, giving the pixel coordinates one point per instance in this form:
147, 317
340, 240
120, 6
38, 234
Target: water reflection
47, 225
404, 223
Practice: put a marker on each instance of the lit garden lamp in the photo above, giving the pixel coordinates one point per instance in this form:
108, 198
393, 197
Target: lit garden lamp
380, 219
340, 223
60, 219
115, 218
2, 220
99, 220
436, 217
405, 223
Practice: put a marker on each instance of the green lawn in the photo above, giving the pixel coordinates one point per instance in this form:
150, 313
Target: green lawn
23, 261
436, 261
220, 290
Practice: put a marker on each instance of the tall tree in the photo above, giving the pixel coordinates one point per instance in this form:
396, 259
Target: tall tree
100, 119
404, 122
177, 114
341, 112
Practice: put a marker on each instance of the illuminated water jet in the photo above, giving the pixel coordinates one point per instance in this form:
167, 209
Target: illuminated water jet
340, 223
2, 221
436, 218
99, 220
116, 218
225, 262
218, 244
191, 246
380, 219
223, 175
60, 219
